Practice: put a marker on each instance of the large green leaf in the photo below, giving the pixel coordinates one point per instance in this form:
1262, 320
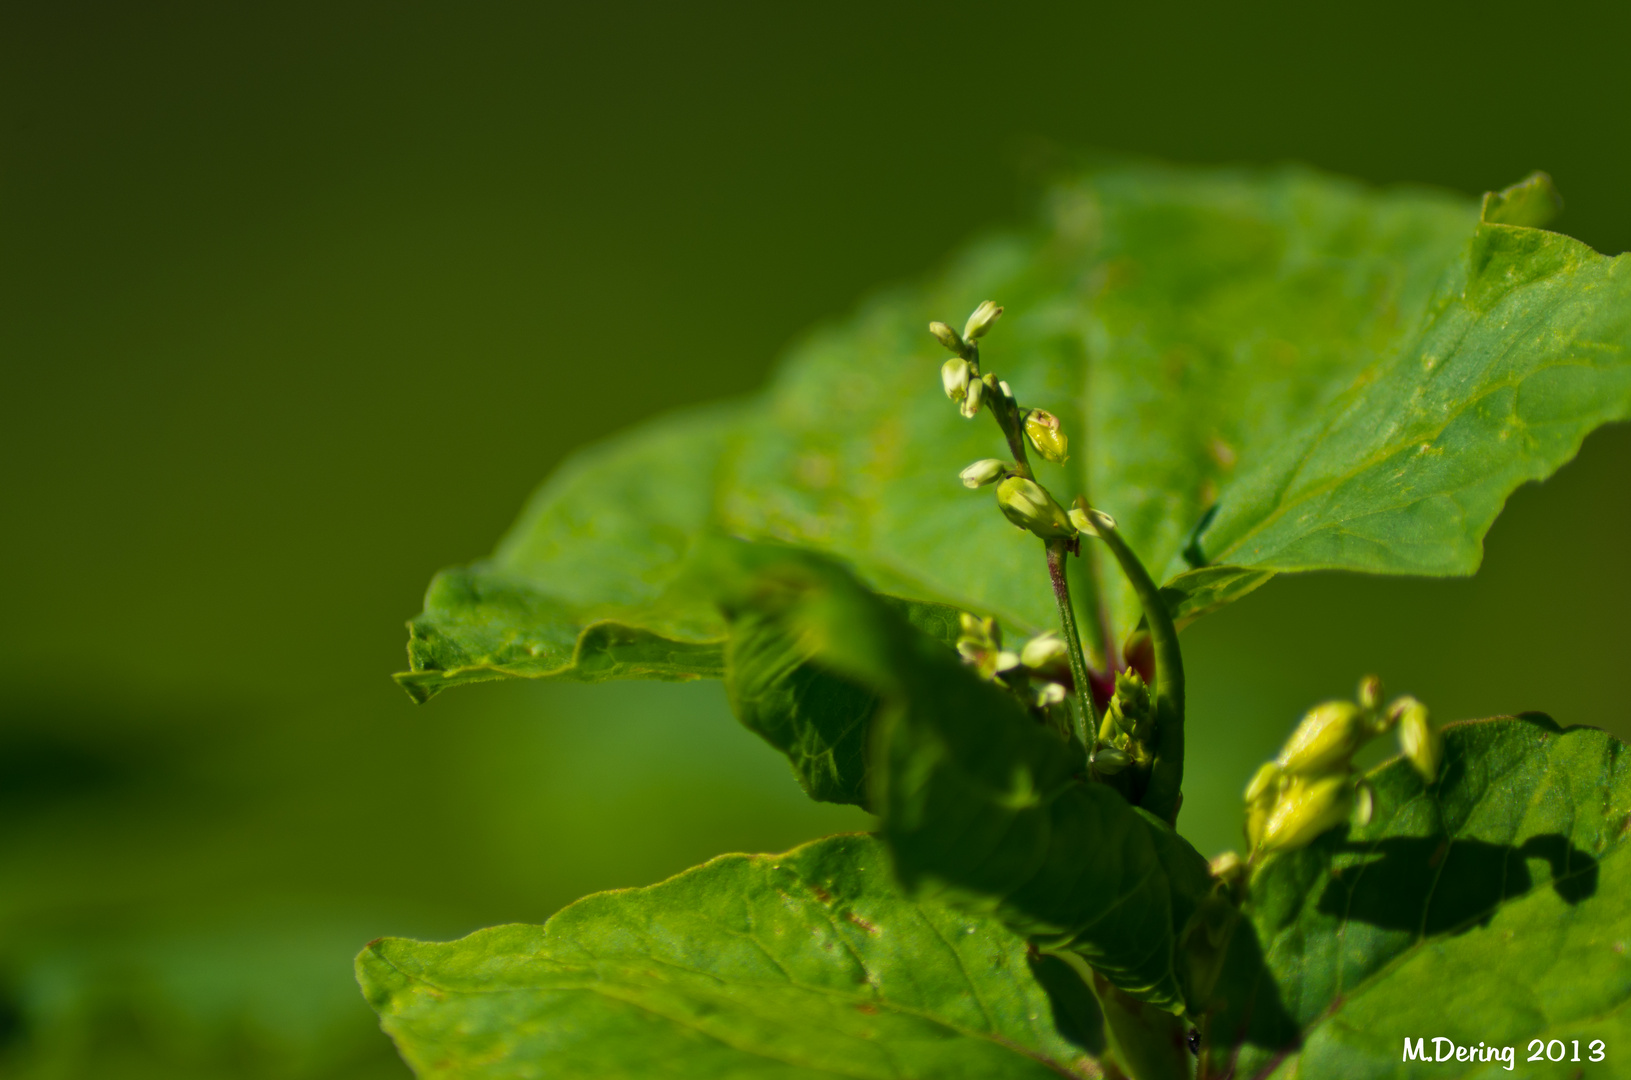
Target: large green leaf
1489, 907
808, 964
978, 801
584, 585
1525, 349
1260, 370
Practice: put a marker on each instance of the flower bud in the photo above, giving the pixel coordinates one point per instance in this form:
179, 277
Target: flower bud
947, 337
1370, 693
983, 631
1109, 760
954, 376
1042, 428
971, 400
1263, 783
1131, 692
1088, 520
979, 322
1326, 740
1028, 505
1046, 650
983, 472
1420, 741
1049, 693
1365, 805
1306, 809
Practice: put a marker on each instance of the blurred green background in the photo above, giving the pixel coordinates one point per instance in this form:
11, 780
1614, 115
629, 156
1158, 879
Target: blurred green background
298, 302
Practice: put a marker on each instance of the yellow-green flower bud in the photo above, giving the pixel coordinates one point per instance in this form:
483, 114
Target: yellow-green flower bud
971, 398
1420, 741
1132, 693
1042, 428
979, 322
983, 631
1264, 783
985, 471
947, 337
1028, 505
1306, 809
1109, 760
1327, 739
1087, 520
1365, 804
1370, 692
954, 377
1045, 651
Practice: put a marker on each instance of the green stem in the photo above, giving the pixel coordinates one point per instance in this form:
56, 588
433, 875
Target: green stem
1165, 791
1005, 411
1087, 723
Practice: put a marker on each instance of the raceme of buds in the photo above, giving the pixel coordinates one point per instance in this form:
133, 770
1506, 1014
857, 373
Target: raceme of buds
1028, 505
1132, 693
1421, 742
971, 399
979, 322
985, 471
980, 645
1306, 809
954, 376
947, 337
1042, 428
1327, 739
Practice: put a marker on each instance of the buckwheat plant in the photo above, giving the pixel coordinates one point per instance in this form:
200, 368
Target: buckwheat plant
1254, 372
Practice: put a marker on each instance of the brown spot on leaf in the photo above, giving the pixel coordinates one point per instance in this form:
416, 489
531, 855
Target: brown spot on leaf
862, 923
867, 1007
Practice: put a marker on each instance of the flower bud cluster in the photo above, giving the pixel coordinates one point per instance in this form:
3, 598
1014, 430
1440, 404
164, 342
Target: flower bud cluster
1039, 674
1128, 724
1312, 786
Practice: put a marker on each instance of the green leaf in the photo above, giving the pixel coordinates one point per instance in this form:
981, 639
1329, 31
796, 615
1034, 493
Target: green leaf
817, 717
1183, 324
585, 586
1259, 370
979, 801
1525, 349
805, 964
1487, 907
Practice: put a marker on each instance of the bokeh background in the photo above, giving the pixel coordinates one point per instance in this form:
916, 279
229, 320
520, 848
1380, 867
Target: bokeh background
299, 301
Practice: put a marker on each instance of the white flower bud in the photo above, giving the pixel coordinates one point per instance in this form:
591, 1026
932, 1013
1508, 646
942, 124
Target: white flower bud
954, 376
983, 472
1045, 650
979, 322
1049, 693
946, 336
1028, 505
971, 400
